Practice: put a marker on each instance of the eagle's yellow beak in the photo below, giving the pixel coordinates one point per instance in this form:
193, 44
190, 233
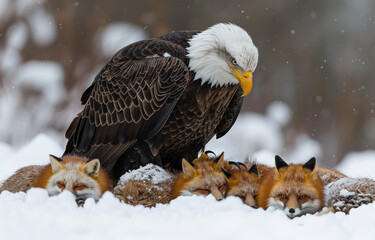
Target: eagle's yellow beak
246, 81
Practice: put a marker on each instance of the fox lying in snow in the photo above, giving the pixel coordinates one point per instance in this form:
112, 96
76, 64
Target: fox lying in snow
204, 177
244, 180
296, 189
84, 178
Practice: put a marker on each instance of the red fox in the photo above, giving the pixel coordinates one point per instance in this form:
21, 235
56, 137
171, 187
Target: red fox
243, 182
295, 189
204, 177
83, 178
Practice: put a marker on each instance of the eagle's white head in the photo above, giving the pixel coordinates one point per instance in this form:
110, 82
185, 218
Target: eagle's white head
223, 54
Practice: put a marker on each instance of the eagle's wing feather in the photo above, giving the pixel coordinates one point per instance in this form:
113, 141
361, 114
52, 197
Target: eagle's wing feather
128, 100
230, 115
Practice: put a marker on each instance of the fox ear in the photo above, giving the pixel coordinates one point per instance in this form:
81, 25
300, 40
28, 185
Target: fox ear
254, 169
220, 157
203, 156
187, 169
310, 164
92, 167
55, 163
279, 162
219, 162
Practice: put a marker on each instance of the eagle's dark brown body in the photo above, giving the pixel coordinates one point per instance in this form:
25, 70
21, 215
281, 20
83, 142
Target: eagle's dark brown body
145, 106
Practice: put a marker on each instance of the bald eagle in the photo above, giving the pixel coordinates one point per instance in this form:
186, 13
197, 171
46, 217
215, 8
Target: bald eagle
162, 99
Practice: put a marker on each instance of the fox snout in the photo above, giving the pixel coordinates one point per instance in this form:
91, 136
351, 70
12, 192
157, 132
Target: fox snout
292, 206
250, 201
216, 192
292, 203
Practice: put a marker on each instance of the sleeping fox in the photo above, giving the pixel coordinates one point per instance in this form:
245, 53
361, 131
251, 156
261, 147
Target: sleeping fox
243, 181
84, 178
296, 189
204, 177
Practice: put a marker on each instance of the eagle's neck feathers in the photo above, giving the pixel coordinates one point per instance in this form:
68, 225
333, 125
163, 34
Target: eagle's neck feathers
203, 60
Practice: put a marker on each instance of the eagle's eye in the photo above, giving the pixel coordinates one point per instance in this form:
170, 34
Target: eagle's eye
234, 62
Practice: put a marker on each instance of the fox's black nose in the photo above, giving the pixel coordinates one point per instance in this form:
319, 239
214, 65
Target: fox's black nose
292, 210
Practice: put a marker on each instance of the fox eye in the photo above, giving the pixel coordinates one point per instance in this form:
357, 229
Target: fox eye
303, 197
223, 188
60, 184
243, 198
282, 196
234, 62
202, 191
80, 187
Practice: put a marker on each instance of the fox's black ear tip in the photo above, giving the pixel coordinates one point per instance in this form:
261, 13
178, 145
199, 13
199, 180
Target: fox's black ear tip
219, 157
312, 160
279, 162
54, 157
278, 158
254, 169
310, 164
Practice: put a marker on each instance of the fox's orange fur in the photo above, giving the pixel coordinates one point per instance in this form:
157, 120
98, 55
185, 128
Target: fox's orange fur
83, 177
296, 189
100, 178
203, 178
243, 181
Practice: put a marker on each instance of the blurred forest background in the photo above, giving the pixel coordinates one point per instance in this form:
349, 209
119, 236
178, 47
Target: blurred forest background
315, 56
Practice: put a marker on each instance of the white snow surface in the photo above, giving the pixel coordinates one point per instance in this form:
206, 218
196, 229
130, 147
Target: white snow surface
34, 215
345, 193
150, 172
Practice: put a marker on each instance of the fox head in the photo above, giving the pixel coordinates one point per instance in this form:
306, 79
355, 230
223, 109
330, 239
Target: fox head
297, 189
85, 179
204, 177
243, 182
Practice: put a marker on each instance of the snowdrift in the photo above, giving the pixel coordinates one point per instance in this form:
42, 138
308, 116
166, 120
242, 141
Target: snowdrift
34, 215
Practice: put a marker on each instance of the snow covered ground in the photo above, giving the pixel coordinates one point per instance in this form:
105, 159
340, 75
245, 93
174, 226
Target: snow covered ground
34, 215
